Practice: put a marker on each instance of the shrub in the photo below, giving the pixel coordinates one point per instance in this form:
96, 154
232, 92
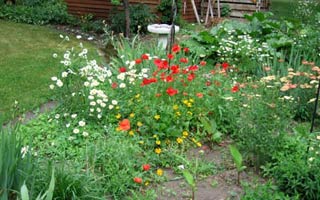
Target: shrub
140, 17
36, 12
165, 7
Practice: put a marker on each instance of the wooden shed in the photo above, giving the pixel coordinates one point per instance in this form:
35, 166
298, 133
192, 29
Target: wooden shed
103, 8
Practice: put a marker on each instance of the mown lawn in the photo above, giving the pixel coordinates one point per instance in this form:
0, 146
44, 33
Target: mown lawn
26, 64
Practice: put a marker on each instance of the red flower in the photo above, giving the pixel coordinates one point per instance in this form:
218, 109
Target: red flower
175, 48
170, 56
184, 60
144, 57
146, 81
138, 61
186, 49
168, 79
193, 68
146, 167
191, 76
124, 125
200, 95
208, 83
171, 91
203, 63
161, 64
235, 89
175, 69
114, 85
122, 69
137, 180
225, 65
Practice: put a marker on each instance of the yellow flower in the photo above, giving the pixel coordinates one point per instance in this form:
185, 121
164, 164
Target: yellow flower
155, 136
179, 140
178, 113
118, 116
157, 117
199, 144
157, 150
158, 142
175, 107
146, 183
139, 124
131, 115
141, 142
194, 140
189, 113
185, 102
189, 105
159, 172
137, 96
191, 100
131, 133
185, 133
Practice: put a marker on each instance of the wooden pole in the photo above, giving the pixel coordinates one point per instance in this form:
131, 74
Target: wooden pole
195, 11
218, 5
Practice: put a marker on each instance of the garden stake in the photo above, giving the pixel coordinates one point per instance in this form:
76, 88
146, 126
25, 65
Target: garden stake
172, 31
315, 108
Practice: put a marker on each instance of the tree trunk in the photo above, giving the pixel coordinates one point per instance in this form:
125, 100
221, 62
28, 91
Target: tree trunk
127, 14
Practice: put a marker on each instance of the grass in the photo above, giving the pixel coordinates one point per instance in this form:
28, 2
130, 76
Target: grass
26, 65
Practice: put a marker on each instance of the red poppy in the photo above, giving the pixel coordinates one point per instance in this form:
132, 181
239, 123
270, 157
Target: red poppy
193, 68
138, 61
171, 91
186, 49
185, 71
200, 95
203, 63
124, 125
208, 83
122, 69
161, 64
225, 65
170, 56
137, 180
175, 48
168, 79
235, 89
144, 57
147, 81
184, 60
114, 85
191, 76
146, 167
175, 69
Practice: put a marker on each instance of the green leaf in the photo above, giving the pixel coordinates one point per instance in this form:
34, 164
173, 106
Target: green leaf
51, 187
24, 192
237, 157
189, 178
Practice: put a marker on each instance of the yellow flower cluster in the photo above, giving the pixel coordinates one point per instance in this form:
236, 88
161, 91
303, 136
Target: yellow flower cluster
188, 102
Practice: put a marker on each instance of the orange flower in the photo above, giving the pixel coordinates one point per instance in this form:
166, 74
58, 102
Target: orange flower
137, 180
124, 125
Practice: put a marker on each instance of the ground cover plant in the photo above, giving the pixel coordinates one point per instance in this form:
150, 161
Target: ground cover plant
120, 129
28, 65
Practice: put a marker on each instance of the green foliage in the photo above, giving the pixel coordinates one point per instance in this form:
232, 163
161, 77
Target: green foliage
36, 12
48, 195
15, 163
165, 8
140, 18
295, 166
237, 157
266, 191
225, 10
